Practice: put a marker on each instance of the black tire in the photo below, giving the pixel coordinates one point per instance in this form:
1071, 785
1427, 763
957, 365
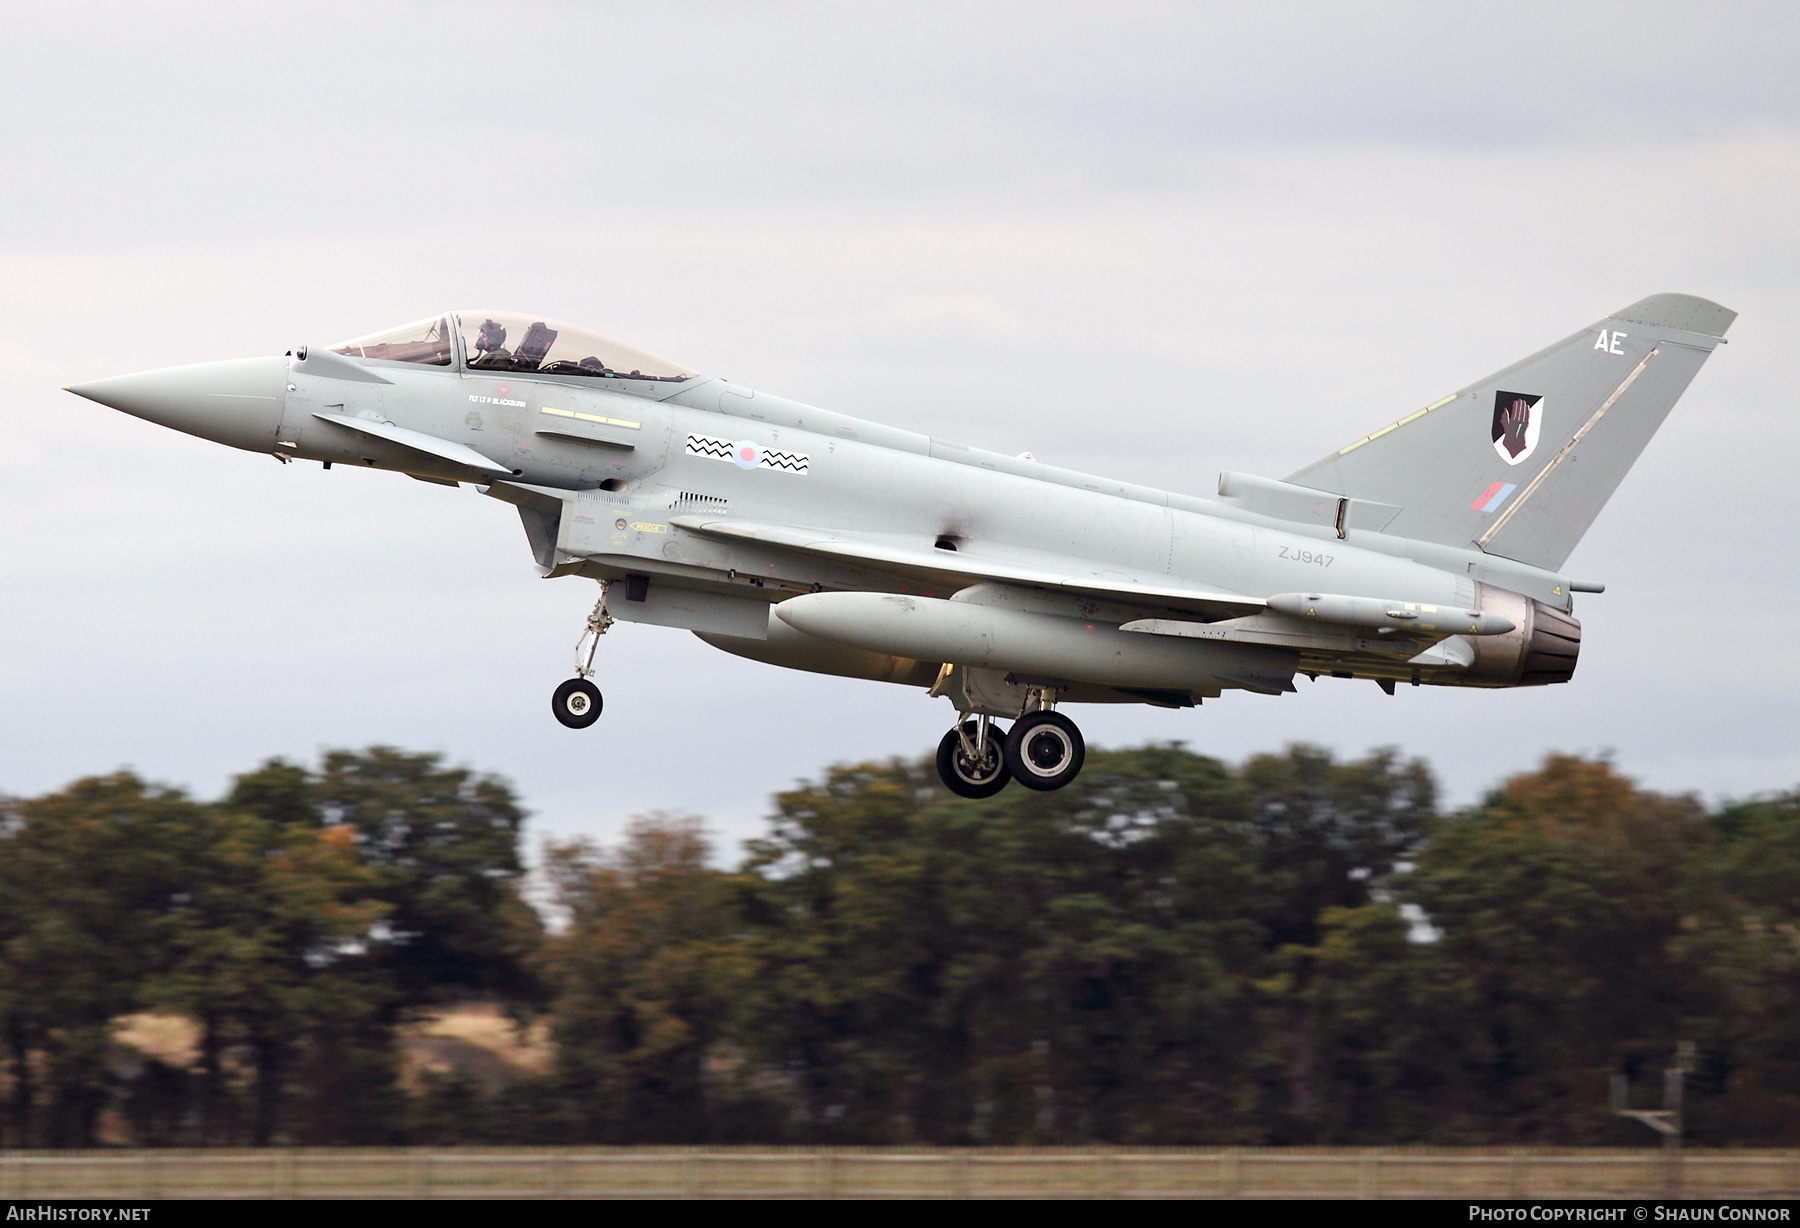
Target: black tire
1044, 751
577, 703
967, 779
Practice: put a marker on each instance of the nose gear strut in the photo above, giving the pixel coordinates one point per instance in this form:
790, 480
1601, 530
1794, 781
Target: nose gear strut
577, 702
597, 623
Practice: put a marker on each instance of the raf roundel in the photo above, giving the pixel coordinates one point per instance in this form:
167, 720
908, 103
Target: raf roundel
747, 454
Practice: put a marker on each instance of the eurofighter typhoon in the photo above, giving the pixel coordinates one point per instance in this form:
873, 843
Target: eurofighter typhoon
1428, 552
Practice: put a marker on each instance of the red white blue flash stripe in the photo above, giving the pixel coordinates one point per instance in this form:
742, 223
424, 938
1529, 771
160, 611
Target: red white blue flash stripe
1493, 496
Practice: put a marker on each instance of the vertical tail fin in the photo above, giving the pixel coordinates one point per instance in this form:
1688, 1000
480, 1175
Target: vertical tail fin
1521, 463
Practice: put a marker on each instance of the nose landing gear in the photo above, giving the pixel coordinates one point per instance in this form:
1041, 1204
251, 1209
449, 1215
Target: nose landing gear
577, 702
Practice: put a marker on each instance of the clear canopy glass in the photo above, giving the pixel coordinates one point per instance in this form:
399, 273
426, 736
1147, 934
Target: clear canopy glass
508, 341
427, 341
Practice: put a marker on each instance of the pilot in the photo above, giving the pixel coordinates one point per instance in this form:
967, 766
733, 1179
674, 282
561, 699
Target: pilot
490, 345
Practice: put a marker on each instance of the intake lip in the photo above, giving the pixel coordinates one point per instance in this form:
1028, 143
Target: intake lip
237, 402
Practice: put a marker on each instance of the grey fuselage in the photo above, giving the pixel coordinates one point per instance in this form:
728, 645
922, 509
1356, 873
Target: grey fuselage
611, 483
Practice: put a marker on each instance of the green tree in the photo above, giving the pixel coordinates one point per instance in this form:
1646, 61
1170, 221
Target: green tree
276, 947
1743, 934
382, 883
86, 877
1329, 832
1560, 900
1093, 963
1328, 836
445, 842
645, 974
296, 921
1368, 998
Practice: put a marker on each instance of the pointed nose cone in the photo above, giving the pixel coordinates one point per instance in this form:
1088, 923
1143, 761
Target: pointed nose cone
237, 402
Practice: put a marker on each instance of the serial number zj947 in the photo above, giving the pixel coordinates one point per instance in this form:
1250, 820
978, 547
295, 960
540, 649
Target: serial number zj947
1306, 556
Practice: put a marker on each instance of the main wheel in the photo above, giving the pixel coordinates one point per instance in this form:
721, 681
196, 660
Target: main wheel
576, 703
1044, 751
967, 777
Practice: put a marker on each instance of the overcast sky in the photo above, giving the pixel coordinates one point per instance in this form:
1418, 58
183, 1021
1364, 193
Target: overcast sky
1149, 241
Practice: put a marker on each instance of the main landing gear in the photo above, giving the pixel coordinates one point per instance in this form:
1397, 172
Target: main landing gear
577, 702
1042, 751
971, 759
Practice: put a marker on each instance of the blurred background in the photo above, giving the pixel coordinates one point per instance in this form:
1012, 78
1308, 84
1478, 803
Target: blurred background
1151, 241
1294, 950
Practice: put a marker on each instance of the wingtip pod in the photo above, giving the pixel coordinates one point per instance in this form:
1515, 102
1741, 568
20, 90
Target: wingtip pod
1687, 312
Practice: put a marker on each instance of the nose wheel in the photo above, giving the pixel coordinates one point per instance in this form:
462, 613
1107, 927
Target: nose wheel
971, 759
577, 703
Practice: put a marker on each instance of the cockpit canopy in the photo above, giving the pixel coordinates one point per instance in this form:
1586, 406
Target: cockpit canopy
504, 341
427, 341
508, 341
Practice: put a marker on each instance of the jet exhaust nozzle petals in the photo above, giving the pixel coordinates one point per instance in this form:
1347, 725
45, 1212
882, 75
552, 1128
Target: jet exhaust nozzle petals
237, 402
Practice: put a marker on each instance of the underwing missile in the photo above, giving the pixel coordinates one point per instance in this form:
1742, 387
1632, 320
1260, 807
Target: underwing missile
1389, 615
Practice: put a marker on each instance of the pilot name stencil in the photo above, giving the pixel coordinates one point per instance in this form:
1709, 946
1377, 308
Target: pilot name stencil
747, 454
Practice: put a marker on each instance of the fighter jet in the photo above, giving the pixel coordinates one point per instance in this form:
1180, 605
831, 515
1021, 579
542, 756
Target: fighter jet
1427, 552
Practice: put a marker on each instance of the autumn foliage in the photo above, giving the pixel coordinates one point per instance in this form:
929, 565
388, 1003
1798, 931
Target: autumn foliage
1172, 950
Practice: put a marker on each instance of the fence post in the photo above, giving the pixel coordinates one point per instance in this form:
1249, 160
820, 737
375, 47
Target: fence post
690, 1173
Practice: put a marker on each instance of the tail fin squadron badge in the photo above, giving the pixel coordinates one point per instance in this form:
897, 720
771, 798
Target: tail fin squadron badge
1517, 419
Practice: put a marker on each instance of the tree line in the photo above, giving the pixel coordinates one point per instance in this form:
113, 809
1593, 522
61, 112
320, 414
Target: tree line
1172, 950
